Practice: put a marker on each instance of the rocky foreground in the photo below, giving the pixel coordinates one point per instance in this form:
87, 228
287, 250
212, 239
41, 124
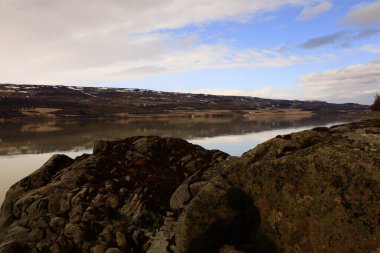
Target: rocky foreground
312, 191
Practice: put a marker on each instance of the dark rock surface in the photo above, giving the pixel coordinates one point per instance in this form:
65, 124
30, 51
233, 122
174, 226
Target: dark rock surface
312, 191
111, 201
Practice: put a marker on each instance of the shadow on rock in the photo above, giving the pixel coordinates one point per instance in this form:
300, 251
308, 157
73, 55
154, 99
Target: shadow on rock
239, 231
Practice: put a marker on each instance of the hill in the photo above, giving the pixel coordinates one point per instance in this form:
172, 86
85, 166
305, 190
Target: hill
48, 101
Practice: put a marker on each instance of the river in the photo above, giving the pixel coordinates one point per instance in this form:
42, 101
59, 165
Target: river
25, 146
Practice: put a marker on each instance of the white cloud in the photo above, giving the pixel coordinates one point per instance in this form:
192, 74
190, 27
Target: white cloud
66, 41
375, 49
223, 92
364, 14
309, 12
138, 59
211, 57
267, 18
265, 92
353, 83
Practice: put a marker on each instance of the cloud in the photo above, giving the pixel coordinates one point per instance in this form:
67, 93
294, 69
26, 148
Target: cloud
353, 83
367, 33
268, 18
206, 57
364, 14
356, 83
67, 41
309, 12
265, 92
141, 57
341, 38
137, 72
223, 92
375, 49
324, 40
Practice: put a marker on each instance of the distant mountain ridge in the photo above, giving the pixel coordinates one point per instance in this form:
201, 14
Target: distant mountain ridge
45, 101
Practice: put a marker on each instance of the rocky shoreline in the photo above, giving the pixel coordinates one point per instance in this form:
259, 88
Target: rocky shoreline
312, 191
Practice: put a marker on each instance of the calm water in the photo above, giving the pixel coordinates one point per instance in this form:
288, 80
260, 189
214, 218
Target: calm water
25, 146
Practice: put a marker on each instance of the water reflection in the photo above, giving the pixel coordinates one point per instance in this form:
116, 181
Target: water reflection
24, 147
54, 136
238, 144
15, 167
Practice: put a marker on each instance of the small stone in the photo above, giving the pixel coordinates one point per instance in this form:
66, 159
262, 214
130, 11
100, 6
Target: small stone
65, 202
99, 248
57, 223
107, 234
76, 213
33, 250
113, 250
86, 246
55, 248
109, 186
122, 193
138, 236
74, 232
121, 239
113, 201
147, 245
230, 249
42, 246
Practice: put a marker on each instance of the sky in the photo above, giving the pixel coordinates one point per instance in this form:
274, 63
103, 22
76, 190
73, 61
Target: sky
290, 49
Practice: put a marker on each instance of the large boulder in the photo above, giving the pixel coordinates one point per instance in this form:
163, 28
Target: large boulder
111, 201
312, 191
